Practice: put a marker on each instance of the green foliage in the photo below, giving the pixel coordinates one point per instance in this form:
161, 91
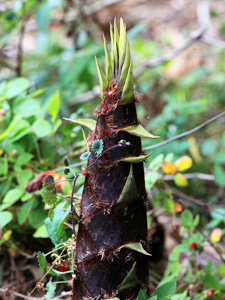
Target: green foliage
50, 194
55, 226
32, 138
5, 218
186, 218
41, 261
164, 291
50, 289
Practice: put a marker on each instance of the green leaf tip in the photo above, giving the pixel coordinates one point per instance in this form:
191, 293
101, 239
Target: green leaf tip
130, 279
118, 66
140, 131
101, 77
41, 261
136, 247
50, 289
89, 123
129, 191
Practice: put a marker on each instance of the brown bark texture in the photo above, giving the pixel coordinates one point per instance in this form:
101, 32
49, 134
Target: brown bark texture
113, 225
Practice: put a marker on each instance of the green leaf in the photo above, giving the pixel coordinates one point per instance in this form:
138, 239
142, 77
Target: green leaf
134, 159
28, 108
163, 292
209, 266
122, 43
108, 65
11, 126
41, 232
50, 288
196, 221
43, 16
42, 128
37, 93
169, 205
129, 191
5, 218
211, 281
156, 163
153, 298
136, 247
115, 46
180, 180
186, 218
13, 195
49, 191
22, 159
25, 209
56, 126
183, 296
209, 146
150, 179
219, 175
130, 280
112, 49
61, 212
89, 123
128, 89
54, 106
16, 86
142, 295
139, 130
42, 262
37, 217
101, 77
219, 157
125, 66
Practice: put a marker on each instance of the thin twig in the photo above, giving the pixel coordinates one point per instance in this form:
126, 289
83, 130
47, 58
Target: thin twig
187, 176
185, 133
71, 204
75, 165
54, 262
20, 44
195, 35
214, 247
6, 290
190, 199
2, 290
200, 176
98, 6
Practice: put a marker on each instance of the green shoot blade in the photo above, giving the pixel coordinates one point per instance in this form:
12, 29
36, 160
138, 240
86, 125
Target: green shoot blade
101, 76
122, 44
128, 89
116, 47
112, 49
108, 66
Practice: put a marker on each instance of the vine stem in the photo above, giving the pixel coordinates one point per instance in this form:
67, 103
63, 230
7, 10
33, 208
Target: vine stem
54, 262
176, 137
79, 164
71, 203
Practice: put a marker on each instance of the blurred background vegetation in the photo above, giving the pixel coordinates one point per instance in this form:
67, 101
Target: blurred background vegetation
47, 72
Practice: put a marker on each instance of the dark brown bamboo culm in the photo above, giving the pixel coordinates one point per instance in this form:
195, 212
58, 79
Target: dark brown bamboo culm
110, 256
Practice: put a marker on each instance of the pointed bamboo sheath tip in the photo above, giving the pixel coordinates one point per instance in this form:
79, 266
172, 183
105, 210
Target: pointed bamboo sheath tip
118, 75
